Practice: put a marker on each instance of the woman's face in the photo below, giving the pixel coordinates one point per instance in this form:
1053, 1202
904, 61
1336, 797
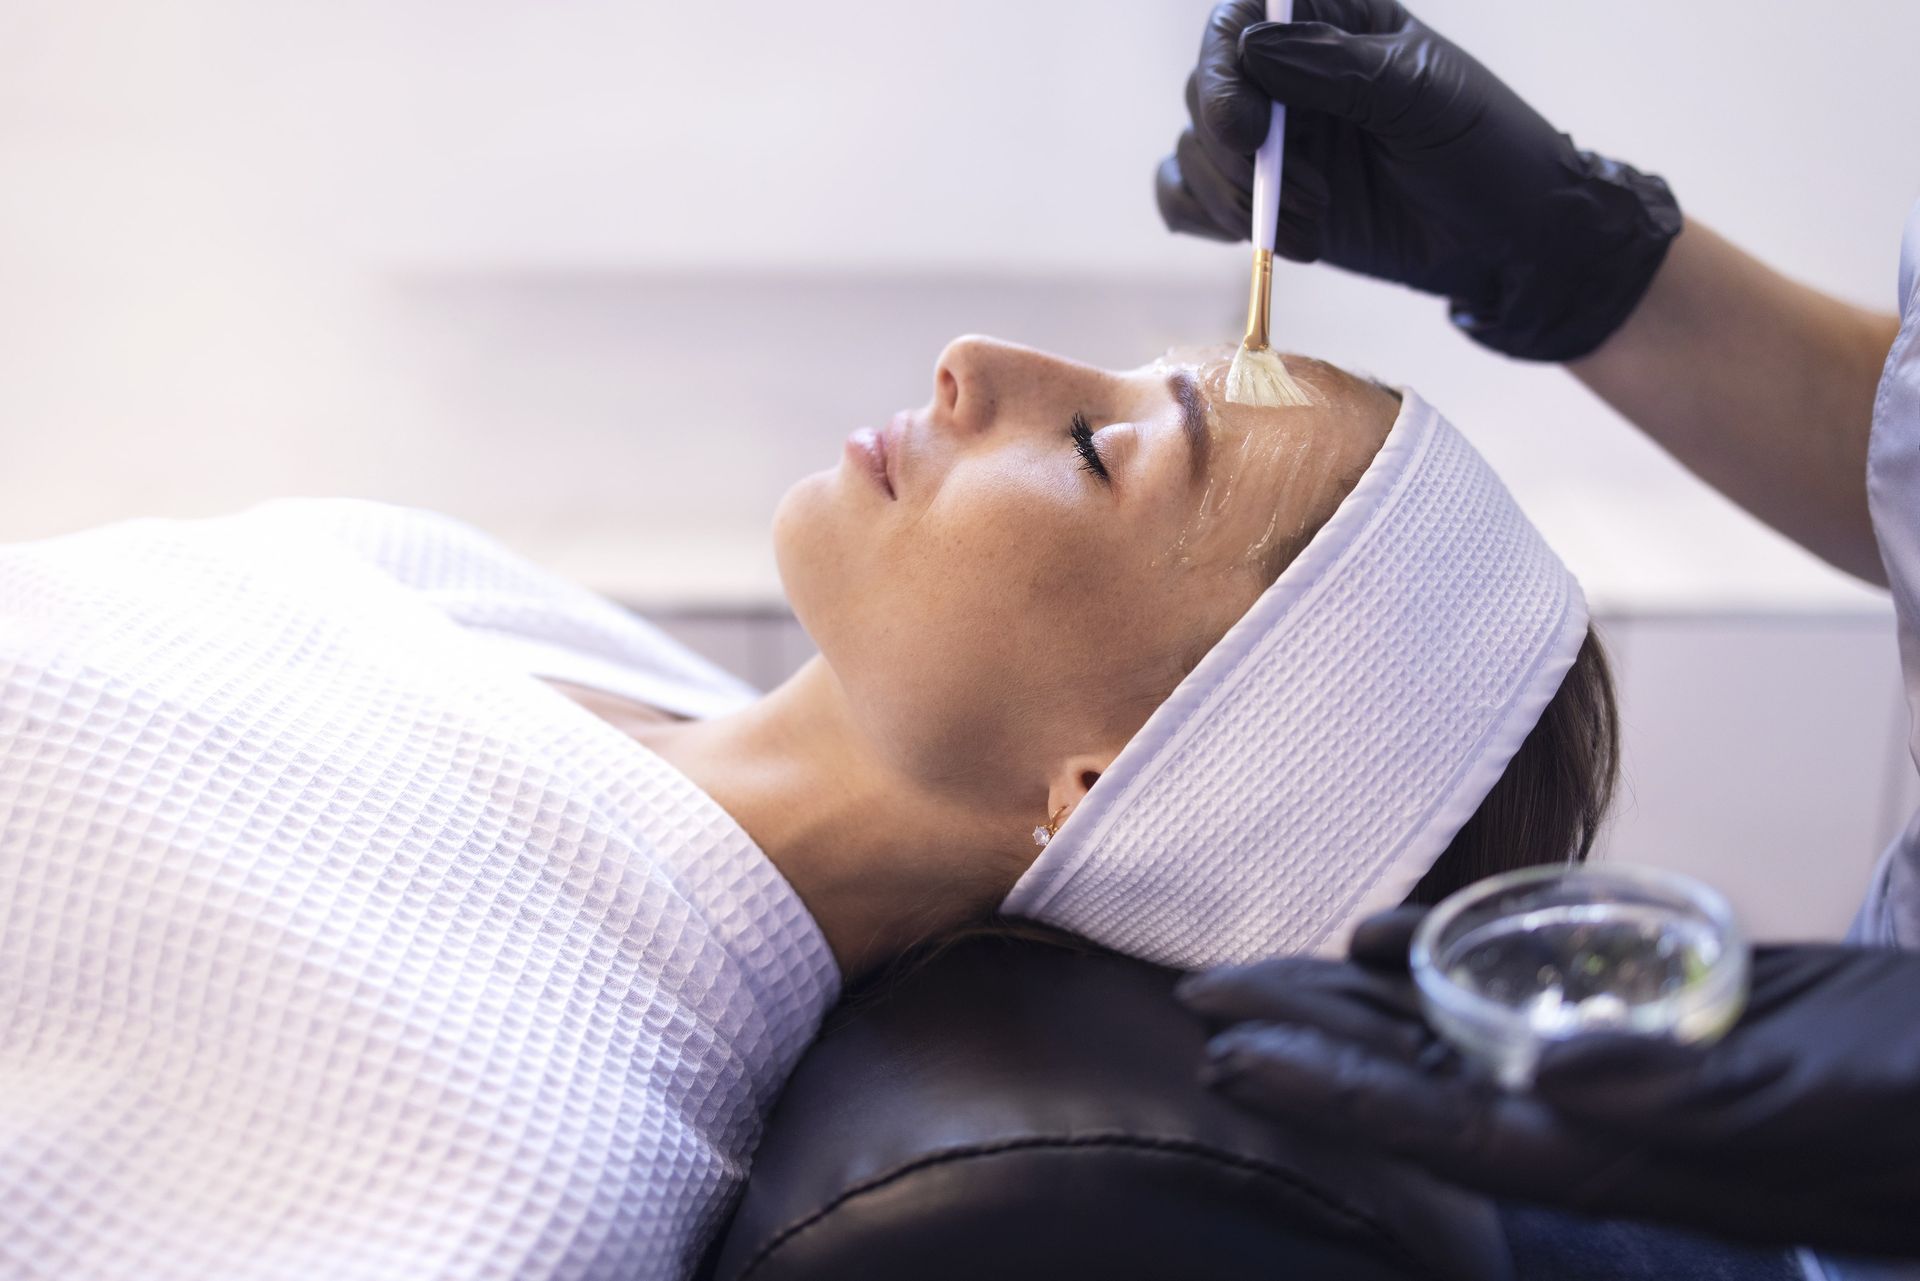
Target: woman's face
1016, 573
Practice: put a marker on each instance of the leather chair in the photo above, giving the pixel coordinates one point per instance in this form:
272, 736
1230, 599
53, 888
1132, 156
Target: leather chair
1018, 1109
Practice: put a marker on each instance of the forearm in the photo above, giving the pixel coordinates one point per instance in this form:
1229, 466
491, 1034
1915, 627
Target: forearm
1760, 386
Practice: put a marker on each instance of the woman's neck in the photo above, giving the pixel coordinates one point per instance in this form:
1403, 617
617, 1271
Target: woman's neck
879, 865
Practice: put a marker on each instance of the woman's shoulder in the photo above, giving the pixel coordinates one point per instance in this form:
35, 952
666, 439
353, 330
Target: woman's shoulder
370, 549
553, 626
417, 546
463, 568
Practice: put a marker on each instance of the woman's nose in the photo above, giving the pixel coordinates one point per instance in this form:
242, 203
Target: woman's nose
962, 395
976, 377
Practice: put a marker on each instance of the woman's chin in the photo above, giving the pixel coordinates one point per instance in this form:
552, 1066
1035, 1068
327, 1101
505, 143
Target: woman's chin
801, 529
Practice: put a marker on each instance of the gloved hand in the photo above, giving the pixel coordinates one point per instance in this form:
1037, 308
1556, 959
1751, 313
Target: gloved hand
1408, 160
1801, 1126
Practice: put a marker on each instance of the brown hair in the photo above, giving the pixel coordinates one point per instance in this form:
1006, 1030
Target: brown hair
1549, 804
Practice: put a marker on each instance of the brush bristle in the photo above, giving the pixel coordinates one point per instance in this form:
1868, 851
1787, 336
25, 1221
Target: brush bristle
1261, 378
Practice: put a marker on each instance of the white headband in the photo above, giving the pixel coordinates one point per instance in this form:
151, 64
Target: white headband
1321, 756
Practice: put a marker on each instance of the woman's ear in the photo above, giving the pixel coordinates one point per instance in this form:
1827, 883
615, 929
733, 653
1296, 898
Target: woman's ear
1073, 778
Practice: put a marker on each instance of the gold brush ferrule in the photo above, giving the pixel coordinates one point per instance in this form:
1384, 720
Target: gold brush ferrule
1261, 302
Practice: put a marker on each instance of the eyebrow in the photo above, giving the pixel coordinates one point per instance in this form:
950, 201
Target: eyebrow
1193, 422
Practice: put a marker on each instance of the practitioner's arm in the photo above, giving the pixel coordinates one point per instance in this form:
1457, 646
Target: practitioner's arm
1761, 386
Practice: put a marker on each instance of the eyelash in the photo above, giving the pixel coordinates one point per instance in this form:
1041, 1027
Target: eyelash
1090, 459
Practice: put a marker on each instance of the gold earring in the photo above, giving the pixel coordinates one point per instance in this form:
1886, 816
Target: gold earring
1044, 833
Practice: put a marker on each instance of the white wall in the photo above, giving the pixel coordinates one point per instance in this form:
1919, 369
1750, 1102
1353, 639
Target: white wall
865, 133
217, 218
498, 257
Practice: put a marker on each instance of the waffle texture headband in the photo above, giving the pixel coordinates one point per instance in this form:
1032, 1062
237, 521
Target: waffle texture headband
1320, 757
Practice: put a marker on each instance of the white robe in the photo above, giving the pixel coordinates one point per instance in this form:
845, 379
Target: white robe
335, 944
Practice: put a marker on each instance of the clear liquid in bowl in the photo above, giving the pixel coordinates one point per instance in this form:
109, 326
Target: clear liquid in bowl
1582, 967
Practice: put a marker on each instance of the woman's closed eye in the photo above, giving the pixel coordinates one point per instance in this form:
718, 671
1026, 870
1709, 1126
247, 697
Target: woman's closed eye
1082, 434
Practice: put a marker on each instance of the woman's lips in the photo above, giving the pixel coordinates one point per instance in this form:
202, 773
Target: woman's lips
867, 449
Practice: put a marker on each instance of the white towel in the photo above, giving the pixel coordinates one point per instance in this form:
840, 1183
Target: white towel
1316, 762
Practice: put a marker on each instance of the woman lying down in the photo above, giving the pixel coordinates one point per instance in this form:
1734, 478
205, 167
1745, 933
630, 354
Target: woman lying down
374, 904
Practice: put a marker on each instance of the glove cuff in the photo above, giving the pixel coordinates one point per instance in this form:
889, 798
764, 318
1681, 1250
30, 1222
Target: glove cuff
1602, 237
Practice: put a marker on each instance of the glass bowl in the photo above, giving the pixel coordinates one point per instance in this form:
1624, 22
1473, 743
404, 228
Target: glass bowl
1513, 963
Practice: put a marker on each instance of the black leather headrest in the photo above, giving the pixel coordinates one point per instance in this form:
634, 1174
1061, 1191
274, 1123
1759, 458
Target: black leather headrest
1014, 1109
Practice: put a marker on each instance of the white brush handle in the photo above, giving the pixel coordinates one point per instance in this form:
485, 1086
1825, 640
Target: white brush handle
1266, 161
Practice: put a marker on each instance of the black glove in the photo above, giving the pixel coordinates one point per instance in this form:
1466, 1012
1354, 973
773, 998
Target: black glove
1408, 160
1801, 1126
